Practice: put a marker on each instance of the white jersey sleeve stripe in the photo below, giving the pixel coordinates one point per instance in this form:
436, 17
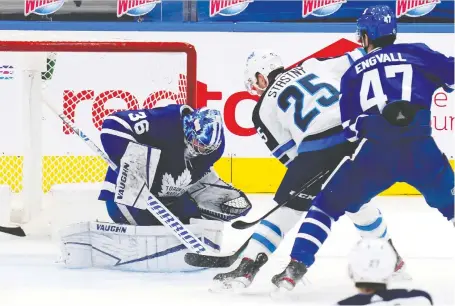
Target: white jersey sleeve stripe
120, 121
355, 55
108, 186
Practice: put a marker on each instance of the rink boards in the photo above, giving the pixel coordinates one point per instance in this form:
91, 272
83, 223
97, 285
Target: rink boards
246, 163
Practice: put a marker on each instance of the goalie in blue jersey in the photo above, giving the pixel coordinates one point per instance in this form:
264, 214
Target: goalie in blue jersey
385, 102
172, 149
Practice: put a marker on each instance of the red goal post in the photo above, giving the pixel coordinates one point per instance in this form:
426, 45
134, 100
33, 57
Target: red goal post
87, 80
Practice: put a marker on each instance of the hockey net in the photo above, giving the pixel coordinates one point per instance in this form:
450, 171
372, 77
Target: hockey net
87, 81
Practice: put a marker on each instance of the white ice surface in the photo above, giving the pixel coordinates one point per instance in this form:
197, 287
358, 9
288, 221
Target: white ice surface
29, 274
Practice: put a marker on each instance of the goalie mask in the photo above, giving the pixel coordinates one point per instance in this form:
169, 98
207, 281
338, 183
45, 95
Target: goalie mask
260, 62
203, 130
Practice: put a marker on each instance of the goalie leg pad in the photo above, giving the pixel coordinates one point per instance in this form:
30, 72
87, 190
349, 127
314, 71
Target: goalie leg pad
368, 221
271, 231
132, 248
217, 199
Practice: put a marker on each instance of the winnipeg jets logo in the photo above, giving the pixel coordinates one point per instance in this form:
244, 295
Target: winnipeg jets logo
175, 188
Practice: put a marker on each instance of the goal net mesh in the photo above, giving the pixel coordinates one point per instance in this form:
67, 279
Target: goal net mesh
86, 86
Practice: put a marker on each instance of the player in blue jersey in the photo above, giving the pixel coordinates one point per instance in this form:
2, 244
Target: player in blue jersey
385, 102
172, 149
371, 266
190, 142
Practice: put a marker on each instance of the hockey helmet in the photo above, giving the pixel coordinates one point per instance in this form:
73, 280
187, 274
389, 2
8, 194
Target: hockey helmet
203, 130
377, 21
372, 261
263, 62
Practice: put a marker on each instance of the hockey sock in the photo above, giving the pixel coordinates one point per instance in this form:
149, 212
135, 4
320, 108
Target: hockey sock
369, 222
270, 232
312, 233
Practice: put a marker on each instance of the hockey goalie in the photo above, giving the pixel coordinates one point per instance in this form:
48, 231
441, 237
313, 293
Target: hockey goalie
172, 149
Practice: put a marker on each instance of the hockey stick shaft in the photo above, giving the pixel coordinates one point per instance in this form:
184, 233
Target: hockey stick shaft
153, 204
244, 225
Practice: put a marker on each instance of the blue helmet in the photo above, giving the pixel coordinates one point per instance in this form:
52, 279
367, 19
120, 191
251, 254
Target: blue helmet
203, 129
377, 21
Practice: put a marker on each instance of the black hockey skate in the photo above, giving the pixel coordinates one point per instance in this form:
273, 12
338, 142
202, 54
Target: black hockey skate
243, 275
293, 273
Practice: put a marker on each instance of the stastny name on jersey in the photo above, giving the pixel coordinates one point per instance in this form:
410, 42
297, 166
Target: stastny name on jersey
284, 79
379, 58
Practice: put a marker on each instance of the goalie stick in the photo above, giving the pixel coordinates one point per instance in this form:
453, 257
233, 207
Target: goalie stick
154, 205
208, 261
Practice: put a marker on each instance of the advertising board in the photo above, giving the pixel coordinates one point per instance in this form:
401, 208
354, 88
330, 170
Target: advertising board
246, 163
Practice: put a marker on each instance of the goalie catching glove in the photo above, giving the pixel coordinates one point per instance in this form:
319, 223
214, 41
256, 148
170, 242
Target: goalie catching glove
218, 200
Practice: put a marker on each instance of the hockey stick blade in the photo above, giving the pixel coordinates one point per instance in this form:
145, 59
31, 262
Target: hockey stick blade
15, 231
209, 261
244, 225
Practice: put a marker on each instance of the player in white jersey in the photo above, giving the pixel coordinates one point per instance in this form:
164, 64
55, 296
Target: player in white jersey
371, 266
298, 117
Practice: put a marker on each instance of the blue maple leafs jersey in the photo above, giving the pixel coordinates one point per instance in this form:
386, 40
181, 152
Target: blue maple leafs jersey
160, 127
391, 297
409, 72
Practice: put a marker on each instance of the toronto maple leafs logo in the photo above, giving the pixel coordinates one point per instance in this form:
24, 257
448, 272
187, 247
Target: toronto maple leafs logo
175, 188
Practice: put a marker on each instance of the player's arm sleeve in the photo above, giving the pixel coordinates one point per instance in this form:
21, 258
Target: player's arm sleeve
440, 66
277, 138
335, 66
350, 109
116, 134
